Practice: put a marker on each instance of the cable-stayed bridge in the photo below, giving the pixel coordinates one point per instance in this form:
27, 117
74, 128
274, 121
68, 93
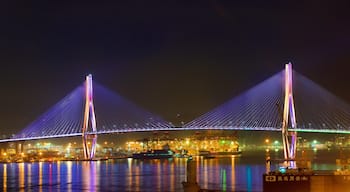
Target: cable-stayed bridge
92, 109
113, 114
261, 108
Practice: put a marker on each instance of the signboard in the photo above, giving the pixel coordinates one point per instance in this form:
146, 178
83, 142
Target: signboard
287, 182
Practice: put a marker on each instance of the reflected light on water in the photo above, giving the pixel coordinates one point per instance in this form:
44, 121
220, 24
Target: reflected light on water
172, 177
223, 179
233, 174
50, 174
86, 175
227, 173
182, 164
69, 175
21, 176
96, 176
124, 175
137, 178
205, 174
4, 176
249, 178
129, 173
29, 174
58, 174
215, 175
92, 175
40, 176
159, 176
89, 175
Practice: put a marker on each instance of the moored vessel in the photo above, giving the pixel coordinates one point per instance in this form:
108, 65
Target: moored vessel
154, 154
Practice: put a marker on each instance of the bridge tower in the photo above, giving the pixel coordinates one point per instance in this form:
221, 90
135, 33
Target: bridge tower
289, 137
89, 138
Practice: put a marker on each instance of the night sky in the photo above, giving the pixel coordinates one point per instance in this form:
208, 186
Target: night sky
169, 57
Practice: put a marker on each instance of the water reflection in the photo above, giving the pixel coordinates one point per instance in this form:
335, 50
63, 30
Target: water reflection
249, 178
129, 176
69, 175
159, 175
137, 178
40, 176
172, 177
89, 175
21, 176
233, 174
50, 174
223, 179
225, 174
58, 174
4, 176
29, 174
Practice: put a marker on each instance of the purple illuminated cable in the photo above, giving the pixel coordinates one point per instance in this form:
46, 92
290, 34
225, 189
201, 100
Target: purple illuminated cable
114, 114
316, 108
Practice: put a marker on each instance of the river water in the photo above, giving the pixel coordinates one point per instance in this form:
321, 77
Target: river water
243, 173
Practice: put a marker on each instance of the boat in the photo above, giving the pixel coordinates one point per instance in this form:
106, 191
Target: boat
213, 154
209, 156
154, 154
225, 153
203, 152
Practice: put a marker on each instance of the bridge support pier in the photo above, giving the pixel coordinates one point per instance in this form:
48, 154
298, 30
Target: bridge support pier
289, 137
89, 139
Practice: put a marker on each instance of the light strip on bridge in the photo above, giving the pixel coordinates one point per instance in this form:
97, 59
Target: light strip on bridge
129, 130
42, 137
323, 131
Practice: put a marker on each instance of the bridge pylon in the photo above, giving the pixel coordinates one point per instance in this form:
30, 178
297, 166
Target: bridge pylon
89, 138
289, 137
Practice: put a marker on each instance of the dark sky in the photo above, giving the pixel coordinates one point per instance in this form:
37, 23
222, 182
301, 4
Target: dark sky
168, 57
